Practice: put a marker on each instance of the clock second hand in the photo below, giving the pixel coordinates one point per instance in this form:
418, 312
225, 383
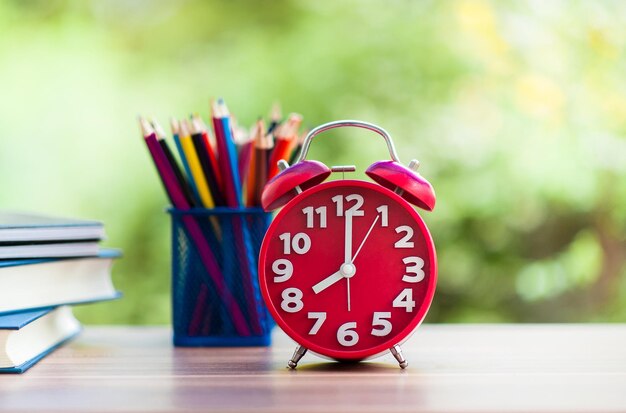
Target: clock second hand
348, 284
365, 239
357, 253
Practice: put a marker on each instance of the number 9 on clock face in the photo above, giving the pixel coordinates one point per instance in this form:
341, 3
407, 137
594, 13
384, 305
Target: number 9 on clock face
348, 269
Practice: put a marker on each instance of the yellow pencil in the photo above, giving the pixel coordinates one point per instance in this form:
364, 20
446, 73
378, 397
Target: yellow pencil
198, 175
194, 165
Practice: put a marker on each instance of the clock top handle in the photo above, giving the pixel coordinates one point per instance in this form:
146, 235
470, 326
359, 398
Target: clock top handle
306, 143
391, 174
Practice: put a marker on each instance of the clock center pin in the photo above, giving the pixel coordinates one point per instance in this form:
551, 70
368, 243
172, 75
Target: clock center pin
347, 270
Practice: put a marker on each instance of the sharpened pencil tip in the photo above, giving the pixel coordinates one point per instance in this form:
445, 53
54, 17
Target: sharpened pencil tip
222, 109
175, 126
160, 132
269, 141
146, 129
214, 108
196, 124
184, 128
258, 134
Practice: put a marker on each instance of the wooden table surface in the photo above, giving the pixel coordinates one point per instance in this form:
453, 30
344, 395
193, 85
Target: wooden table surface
453, 368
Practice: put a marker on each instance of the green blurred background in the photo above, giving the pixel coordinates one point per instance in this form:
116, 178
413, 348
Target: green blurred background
517, 111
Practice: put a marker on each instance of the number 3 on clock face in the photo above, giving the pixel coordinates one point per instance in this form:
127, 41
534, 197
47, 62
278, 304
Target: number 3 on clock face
348, 269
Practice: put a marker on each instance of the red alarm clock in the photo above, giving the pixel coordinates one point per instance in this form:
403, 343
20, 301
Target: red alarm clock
348, 267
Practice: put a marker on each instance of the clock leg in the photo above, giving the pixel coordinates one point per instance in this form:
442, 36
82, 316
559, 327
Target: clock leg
297, 355
397, 353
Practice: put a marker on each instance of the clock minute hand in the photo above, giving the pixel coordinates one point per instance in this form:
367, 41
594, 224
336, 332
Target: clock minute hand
327, 282
347, 257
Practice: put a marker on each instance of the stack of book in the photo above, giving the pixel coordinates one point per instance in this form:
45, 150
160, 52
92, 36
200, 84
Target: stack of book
47, 264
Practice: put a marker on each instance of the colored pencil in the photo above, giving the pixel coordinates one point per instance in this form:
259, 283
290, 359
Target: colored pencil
245, 160
232, 190
175, 127
210, 143
194, 164
178, 200
263, 144
240, 134
182, 182
197, 152
284, 143
251, 178
263, 152
227, 154
205, 152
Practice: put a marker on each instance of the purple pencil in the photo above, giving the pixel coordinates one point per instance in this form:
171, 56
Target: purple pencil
195, 232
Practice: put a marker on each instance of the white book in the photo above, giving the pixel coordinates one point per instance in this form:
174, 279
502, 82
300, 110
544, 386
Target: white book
37, 283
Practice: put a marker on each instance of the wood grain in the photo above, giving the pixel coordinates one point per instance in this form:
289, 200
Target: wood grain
453, 368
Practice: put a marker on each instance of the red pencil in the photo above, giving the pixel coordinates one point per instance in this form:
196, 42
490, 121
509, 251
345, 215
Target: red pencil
227, 154
285, 142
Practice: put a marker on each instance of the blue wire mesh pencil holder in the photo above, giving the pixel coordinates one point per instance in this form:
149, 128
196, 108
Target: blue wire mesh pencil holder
204, 298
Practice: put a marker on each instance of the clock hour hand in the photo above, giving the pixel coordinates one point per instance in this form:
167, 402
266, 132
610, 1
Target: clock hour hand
346, 271
327, 282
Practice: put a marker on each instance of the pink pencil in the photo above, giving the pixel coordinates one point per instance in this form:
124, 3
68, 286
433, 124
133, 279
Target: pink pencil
195, 232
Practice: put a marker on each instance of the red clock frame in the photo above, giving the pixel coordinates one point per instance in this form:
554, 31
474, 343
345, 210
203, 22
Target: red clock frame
374, 249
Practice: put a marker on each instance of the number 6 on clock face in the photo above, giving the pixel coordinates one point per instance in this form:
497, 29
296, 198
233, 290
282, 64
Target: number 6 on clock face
348, 269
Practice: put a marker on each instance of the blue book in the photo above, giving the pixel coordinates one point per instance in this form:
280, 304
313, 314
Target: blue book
38, 283
27, 337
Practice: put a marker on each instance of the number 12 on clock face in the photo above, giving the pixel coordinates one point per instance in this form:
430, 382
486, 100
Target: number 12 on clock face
348, 269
